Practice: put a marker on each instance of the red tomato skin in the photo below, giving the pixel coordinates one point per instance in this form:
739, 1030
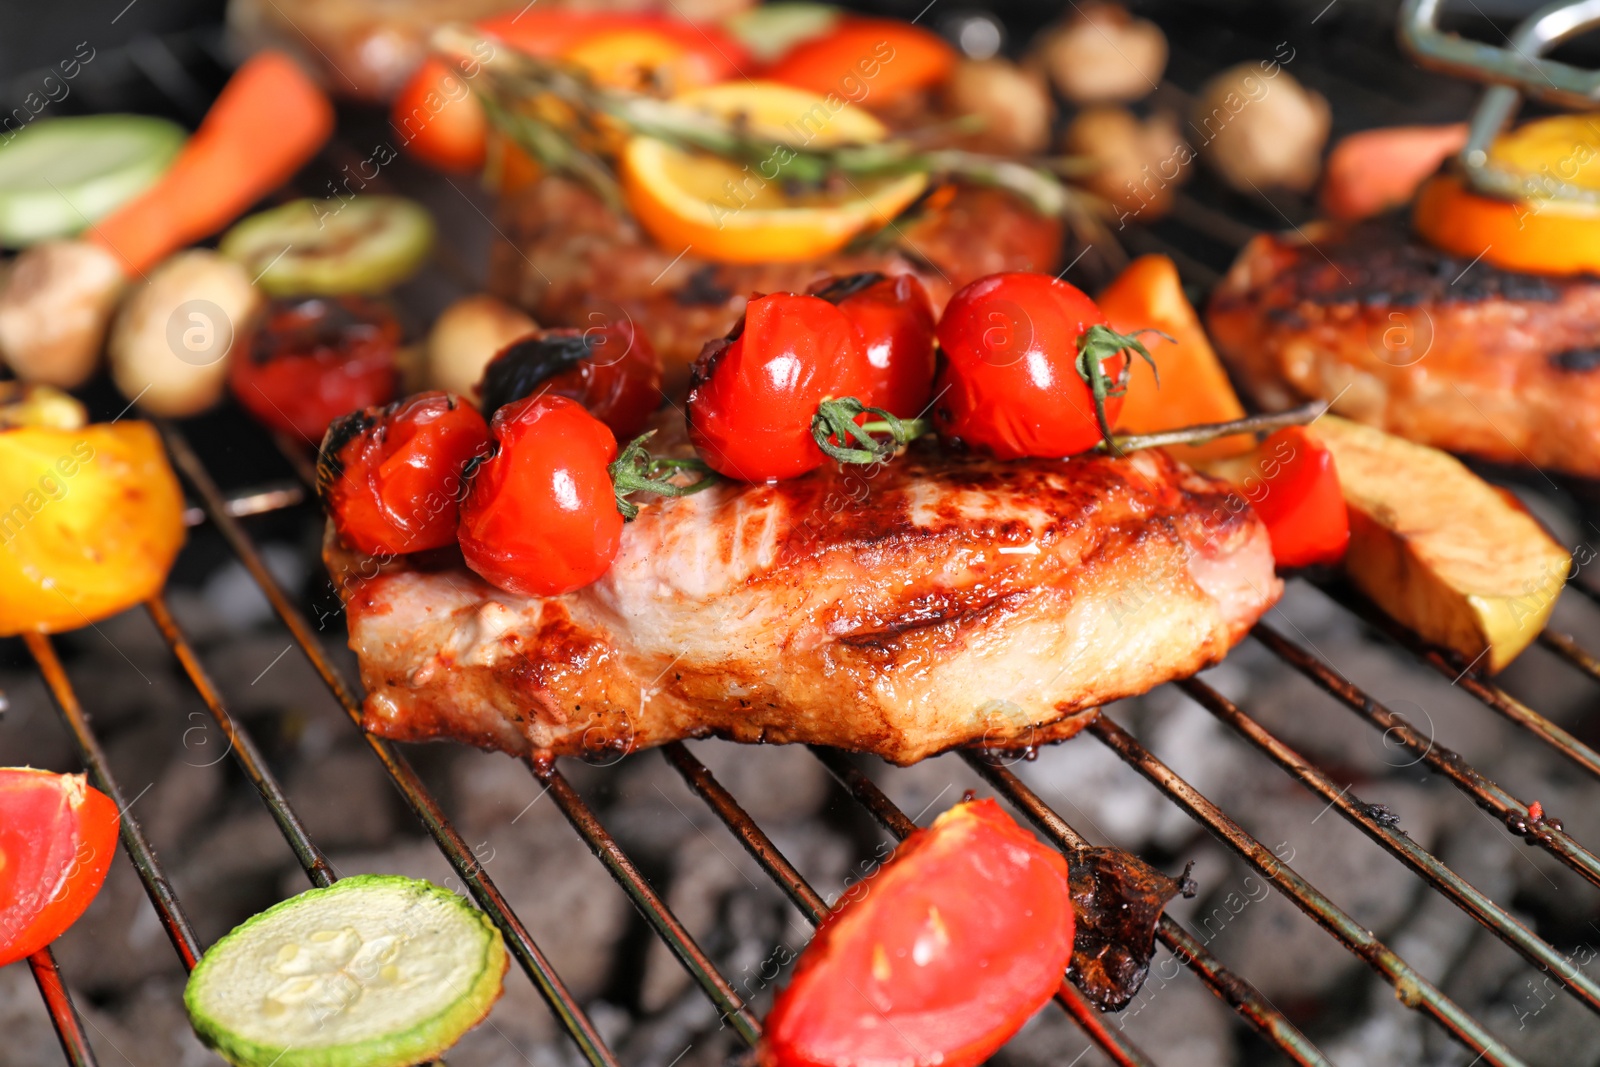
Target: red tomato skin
540, 515
311, 361
866, 61
1300, 499
392, 475
439, 121
557, 31
938, 957
895, 319
618, 381
752, 395
1009, 384
57, 838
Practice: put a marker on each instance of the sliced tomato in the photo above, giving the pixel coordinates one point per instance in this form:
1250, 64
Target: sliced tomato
866, 61
57, 837
1299, 498
937, 958
438, 121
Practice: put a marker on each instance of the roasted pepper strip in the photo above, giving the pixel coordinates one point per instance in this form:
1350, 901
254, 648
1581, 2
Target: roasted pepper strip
1194, 389
90, 522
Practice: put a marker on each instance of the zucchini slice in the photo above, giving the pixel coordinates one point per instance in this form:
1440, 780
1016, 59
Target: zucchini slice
59, 175
365, 244
372, 971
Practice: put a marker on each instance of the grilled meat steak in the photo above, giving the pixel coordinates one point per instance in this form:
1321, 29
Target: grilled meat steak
566, 257
934, 602
1452, 353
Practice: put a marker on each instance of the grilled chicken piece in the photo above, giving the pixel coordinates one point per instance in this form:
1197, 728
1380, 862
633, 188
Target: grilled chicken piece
1452, 353
931, 603
566, 257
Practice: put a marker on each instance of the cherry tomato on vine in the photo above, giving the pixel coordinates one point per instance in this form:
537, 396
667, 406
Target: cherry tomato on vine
942, 956
753, 394
610, 368
540, 516
315, 359
57, 837
1010, 384
895, 318
391, 477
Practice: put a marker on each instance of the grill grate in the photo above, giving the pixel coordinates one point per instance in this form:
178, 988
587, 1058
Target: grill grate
1192, 225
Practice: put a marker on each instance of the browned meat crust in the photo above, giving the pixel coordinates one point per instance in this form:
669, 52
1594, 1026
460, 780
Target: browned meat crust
1456, 354
566, 257
933, 603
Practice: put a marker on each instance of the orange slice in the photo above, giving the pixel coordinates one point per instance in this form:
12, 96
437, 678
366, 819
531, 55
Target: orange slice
742, 212
1538, 234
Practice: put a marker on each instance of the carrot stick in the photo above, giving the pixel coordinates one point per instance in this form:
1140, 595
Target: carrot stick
269, 120
1374, 170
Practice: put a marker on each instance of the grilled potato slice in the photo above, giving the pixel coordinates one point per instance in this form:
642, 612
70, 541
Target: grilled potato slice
1440, 550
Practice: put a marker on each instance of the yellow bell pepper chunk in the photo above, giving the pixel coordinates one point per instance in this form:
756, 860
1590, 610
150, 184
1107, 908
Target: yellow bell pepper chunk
90, 522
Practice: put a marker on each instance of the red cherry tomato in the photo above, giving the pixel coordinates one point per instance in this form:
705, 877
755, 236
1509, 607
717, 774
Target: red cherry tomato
610, 368
895, 318
1299, 498
312, 360
57, 837
439, 121
866, 61
937, 958
540, 515
753, 394
1010, 384
391, 477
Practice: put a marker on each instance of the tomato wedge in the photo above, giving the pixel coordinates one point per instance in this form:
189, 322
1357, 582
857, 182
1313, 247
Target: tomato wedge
1296, 492
938, 958
57, 837
866, 61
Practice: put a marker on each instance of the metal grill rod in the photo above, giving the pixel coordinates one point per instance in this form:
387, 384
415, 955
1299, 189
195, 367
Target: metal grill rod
173, 918
1413, 989
1113, 1042
69, 1026
1441, 760
1468, 679
652, 907
1398, 844
1232, 990
244, 750
401, 773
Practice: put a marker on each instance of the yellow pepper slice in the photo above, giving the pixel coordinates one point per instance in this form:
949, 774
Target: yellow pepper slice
90, 522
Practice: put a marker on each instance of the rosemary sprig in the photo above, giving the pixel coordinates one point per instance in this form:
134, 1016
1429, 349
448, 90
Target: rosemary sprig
637, 471
511, 79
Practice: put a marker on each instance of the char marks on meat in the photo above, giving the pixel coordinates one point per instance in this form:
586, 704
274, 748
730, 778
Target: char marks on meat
932, 602
1450, 352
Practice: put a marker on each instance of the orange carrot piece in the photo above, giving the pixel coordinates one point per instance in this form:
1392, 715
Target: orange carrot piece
269, 120
1194, 388
1374, 170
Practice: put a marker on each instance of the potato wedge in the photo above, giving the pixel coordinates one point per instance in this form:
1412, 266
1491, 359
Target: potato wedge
1439, 549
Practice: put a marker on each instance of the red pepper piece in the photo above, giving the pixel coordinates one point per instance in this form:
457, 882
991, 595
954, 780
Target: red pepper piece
1298, 496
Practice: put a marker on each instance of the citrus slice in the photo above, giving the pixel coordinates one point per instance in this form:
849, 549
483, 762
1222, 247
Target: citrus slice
372, 971
1542, 231
743, 212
